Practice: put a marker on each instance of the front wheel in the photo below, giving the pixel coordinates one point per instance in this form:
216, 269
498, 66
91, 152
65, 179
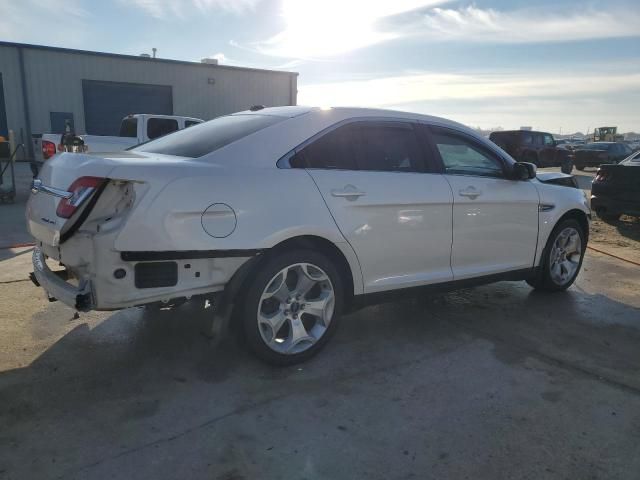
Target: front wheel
562, 257
292, 307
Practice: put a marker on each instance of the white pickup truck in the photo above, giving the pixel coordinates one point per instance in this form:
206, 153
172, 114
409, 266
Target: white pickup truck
134, 129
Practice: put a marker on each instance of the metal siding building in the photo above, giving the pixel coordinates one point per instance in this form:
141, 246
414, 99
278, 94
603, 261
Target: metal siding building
44, 85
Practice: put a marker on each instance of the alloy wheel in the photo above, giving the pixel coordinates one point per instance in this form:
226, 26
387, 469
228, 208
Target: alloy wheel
295, 309
565, 256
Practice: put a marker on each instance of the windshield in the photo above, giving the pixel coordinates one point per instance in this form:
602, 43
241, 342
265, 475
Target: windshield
207, 137
633, 159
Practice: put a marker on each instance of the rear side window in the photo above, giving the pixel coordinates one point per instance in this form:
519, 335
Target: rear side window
334, 150
527, 138
129, 128
207, 137
158, 127
389, 147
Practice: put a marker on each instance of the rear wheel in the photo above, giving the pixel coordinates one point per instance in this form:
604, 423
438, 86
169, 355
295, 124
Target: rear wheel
580, 167
292, 307
562, 257
566, 166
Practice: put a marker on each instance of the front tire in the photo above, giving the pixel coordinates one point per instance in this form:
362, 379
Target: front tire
562, 257
292, 307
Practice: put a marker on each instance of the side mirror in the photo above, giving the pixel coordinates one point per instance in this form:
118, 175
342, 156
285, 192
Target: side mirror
524, 171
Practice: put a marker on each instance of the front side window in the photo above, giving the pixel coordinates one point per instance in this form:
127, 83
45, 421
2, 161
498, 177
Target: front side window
548, 140
463, 156
334, 151
158, 127
389, 147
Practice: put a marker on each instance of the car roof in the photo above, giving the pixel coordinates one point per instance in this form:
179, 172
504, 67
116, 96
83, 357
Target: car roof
341, 113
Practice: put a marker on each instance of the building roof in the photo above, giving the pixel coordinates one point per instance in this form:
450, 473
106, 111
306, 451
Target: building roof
139, 58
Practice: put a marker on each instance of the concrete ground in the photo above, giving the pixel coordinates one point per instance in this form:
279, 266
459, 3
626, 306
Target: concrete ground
491, 382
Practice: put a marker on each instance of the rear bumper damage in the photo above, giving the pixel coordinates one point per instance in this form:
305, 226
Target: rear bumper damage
54, 283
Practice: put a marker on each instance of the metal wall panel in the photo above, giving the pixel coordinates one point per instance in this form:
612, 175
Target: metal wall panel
107, 103
54, 83
4, 130
14, 107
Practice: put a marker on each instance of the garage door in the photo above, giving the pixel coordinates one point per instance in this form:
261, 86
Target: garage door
107, 103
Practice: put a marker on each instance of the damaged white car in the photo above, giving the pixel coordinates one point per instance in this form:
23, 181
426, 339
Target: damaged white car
293, 215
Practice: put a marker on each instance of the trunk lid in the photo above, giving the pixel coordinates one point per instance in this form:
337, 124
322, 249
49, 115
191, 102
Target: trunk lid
59, 173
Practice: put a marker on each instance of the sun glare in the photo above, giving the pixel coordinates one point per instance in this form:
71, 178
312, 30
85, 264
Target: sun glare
332, 27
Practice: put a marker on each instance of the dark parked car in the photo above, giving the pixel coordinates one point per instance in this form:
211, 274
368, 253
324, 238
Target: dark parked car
616, 189
597, 153
539, 148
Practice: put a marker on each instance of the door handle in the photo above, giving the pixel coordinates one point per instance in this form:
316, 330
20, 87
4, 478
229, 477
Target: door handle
349, 191
470, 192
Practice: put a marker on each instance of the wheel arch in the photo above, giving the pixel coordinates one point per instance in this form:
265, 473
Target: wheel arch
580, 217
344, 258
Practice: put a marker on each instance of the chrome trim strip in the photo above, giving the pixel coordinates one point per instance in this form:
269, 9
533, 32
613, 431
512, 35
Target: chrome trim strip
37, 186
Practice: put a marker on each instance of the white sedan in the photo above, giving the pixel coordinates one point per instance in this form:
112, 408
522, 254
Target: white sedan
294, 215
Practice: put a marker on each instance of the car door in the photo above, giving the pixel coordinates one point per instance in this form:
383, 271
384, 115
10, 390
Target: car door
495, 219
396, 217
547, 154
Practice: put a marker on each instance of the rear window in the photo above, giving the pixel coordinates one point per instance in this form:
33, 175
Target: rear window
129, 128
158, 127
207, 137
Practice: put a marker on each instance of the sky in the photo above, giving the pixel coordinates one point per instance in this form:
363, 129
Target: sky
559, 66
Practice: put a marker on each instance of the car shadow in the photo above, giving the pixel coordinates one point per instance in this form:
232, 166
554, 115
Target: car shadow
114, 381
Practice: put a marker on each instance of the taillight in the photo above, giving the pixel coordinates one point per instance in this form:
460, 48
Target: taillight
81, 189
48, 149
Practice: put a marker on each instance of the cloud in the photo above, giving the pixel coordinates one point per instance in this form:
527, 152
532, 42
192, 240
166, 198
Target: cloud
525, 25
23, 22
329, 28
316, 29
428, 86
162, 9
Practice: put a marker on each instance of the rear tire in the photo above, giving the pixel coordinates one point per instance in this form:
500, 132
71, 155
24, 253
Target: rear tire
562, 257
292, 307
580, 167
566, 167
